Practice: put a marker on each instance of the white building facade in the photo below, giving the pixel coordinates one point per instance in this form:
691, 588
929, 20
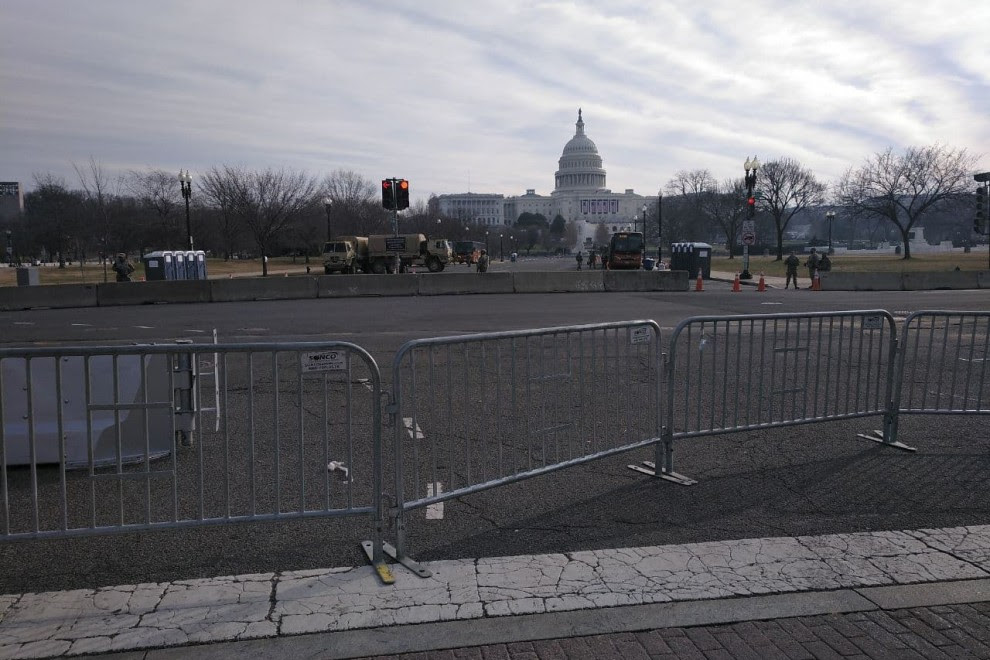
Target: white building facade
580, 195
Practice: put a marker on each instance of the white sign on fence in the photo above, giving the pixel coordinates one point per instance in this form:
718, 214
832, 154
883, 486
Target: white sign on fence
329, 360
640, 335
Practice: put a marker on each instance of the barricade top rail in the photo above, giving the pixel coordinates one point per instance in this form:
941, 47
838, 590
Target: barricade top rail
693, 320
943, 312
509, 334
163, 348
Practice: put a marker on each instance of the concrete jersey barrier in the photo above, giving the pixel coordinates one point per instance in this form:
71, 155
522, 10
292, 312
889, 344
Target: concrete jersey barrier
468, 282
558, 282
147, 293
52, 296
263, 288
646, 280
344, 286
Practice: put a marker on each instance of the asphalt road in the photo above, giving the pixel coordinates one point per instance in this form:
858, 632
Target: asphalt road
812, 479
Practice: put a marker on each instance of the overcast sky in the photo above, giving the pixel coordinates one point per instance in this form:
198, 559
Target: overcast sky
482, 95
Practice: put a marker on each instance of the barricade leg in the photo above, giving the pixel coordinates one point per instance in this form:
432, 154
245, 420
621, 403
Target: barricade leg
665, 459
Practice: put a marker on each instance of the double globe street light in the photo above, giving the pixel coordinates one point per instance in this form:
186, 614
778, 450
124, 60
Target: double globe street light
185, 182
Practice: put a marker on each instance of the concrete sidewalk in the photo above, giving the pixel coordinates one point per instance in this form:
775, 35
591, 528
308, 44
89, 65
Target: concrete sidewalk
503, 600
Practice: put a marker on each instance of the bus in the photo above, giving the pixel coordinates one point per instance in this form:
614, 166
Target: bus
625, 251
467, 252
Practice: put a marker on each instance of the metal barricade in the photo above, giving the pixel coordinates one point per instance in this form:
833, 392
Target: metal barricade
741, 373
478, 411
93, 440
944, 364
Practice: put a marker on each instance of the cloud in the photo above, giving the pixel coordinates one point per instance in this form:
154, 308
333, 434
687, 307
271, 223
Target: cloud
444, 92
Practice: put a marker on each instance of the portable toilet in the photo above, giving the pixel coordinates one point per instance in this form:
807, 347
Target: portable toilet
169, 260
179, 258
154, 266
195, 265
200, 265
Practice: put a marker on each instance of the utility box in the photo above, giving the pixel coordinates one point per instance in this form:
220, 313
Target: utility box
693, 257
28, 276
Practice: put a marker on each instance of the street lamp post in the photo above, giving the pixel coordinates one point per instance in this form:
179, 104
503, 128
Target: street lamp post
750, 166
659, 227
644, 223
487, 251
830, 216
327, 205
501, 254
185, 182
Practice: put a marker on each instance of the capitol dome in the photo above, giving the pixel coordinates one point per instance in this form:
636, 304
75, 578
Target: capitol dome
580, 166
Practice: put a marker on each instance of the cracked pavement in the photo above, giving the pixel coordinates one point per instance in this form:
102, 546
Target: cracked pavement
143, 616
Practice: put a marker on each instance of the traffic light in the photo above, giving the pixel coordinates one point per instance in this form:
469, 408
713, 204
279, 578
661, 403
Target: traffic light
979, 223
402, 195
388, 195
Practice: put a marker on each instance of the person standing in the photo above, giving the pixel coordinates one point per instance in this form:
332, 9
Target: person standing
792, 263
123, 268
812, 266
580, 259
483, 262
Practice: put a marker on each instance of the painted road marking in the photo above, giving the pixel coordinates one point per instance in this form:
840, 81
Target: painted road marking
418, 434
434, 511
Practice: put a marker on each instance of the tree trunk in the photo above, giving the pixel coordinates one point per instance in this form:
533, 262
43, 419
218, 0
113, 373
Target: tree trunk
780, 244
904, 239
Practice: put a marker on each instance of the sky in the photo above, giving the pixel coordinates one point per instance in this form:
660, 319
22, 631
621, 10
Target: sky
481, 96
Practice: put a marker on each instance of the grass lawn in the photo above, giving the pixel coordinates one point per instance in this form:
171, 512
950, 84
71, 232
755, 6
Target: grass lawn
92, 273
856, 263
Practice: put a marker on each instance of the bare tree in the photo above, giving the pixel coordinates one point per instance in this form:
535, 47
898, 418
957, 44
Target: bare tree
100, 191
787, 188
903, 188
684, 214
725, 205
50, 207
355, 207
224, 188
272, 202
158, 191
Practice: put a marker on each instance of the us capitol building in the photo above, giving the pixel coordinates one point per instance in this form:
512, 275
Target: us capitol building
579, 195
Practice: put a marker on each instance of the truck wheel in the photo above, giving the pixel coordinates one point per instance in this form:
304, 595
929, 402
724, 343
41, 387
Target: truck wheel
378, 268
434, 265
442, 265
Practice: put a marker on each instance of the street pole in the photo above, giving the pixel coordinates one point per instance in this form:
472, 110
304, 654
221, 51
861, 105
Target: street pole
750, 167
830, 216
501, 253
327, 203
185, 182
659, 227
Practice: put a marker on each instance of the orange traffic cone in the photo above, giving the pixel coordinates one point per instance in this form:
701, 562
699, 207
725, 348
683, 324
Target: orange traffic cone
816, 284
763, 285
700, 284
736, 287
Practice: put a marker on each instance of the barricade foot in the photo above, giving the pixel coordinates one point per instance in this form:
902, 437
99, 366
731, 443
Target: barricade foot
651, 469
406, 561
384, 572
877, 436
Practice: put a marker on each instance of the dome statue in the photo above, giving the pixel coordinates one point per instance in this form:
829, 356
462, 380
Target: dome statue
580, 166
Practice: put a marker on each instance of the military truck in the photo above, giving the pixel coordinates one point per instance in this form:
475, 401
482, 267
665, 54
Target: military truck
344, 255
376, 254
412, 250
